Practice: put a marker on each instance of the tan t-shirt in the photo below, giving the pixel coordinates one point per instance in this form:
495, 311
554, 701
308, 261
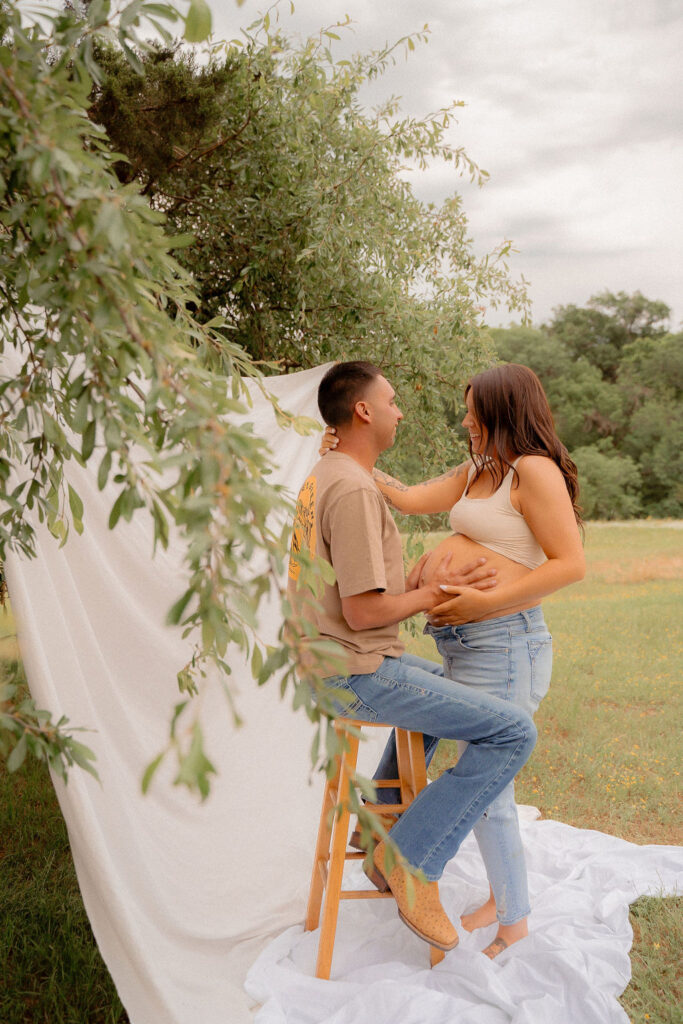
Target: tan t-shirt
342, 517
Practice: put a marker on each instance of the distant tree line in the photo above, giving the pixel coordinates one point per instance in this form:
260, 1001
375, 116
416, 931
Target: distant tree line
613, 374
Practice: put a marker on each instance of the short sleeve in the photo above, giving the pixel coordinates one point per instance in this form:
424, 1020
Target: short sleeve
354, 526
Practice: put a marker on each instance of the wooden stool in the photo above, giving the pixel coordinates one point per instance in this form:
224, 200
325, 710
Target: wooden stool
331, 849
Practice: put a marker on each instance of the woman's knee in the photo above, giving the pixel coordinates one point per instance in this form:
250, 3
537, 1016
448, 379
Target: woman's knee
502, 810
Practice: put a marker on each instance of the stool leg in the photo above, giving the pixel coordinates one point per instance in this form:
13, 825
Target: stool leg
417, 761
335, 869
405, 774
322, 853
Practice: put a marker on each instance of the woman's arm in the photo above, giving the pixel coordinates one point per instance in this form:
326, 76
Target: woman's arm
547, 508
436, 495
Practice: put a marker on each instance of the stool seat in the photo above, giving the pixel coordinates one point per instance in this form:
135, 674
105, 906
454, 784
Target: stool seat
331, 851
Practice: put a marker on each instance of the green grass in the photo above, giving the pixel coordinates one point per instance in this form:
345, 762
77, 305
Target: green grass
607, 758
52, 972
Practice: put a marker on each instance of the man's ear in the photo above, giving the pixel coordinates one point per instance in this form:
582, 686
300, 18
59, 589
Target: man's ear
362, 410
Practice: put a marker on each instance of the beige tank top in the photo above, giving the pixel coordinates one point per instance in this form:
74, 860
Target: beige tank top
496, 523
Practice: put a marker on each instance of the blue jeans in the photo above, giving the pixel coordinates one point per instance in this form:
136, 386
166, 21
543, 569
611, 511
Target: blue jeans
411, 693
508, 657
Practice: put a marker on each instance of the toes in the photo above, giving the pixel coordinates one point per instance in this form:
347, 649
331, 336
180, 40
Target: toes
494, 948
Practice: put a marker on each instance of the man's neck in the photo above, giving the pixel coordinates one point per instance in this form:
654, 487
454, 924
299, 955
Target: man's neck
360, 451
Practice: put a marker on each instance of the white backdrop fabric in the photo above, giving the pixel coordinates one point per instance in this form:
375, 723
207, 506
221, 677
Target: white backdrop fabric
184, 898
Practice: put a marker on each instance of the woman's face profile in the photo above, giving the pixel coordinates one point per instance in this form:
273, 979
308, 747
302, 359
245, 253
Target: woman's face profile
477, 432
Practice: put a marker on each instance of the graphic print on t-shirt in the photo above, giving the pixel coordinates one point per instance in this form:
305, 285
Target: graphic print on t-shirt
303, 533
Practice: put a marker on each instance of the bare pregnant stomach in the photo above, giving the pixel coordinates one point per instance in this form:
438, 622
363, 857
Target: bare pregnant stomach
463, 551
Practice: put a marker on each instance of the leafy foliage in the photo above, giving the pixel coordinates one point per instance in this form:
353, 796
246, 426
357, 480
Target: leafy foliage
25, 729
614, 379
109, 364
609, 483
244, 210
308, 238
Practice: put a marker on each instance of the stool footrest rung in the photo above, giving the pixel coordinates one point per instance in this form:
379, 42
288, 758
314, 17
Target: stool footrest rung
387, 808
364, 894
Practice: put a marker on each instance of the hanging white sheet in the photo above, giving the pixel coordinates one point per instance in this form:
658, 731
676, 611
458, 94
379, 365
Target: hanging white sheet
183, 896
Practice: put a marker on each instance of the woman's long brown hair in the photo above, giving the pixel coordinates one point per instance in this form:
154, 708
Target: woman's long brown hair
510, 404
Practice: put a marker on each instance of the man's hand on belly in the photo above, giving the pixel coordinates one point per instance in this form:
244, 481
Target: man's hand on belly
477, 574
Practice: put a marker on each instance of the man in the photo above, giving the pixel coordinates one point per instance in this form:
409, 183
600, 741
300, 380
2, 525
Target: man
342, 517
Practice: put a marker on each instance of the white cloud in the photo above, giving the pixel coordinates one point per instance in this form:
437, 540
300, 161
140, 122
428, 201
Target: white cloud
572, 106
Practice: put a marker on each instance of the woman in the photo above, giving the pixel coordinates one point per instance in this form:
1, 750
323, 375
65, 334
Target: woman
514, 503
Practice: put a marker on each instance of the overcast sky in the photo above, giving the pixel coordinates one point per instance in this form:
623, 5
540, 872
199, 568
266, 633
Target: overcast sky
574, 107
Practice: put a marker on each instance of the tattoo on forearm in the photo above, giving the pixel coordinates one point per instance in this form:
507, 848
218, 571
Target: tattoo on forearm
444, 476
384, 480
388, 481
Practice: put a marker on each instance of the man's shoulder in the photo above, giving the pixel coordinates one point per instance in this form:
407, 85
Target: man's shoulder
339, 473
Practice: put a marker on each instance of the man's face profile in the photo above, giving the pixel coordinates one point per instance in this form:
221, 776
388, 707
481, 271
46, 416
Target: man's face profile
380, 400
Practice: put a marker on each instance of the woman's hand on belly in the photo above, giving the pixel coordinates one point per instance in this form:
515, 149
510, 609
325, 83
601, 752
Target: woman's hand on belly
462, 604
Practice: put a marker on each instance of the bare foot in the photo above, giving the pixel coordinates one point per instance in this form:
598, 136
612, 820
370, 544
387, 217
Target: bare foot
481, 917
507, 934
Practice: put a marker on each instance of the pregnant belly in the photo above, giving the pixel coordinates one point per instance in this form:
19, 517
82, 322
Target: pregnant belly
463, 551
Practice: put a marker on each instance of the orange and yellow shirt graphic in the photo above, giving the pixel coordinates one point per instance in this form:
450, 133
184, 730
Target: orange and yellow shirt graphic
303, 534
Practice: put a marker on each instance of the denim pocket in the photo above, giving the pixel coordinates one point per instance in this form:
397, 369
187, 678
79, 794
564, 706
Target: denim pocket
353, 707
483, 644
541, 658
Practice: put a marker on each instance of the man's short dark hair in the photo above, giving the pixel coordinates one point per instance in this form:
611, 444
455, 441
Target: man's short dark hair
342, 386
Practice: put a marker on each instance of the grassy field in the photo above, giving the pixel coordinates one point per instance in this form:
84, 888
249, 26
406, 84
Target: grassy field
607, 758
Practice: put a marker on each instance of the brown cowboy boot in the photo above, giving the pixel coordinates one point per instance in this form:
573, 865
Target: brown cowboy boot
426, 917
355, 840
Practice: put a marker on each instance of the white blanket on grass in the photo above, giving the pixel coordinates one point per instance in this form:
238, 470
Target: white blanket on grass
183, 896
570, 969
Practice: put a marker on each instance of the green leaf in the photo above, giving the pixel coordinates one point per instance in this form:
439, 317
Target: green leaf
175, 614
75, 504
198, 22
181, 241
80, 417
195, 766
16, 758
256, 661
104, 470
83, 756
117, 509
150, 770
88, 443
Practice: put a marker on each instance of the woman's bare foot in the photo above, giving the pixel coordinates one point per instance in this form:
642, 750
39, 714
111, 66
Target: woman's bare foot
481, 917
507, 934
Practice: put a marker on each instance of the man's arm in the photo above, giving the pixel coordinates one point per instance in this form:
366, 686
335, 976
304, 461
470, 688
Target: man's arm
372, 608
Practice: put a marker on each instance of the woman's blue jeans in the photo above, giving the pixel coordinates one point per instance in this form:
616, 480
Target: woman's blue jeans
508, 657
412, 693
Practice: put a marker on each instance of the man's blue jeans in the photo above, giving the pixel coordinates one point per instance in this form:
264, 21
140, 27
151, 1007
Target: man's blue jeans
411, 693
